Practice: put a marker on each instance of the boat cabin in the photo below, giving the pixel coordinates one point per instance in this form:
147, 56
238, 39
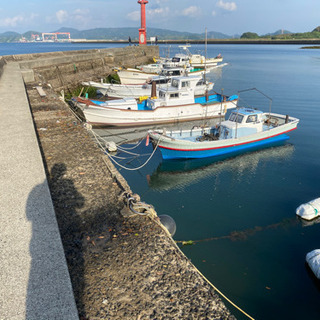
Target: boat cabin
173, 72
242, 122
180, 92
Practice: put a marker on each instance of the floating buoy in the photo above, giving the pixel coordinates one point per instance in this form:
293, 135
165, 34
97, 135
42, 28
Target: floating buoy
169, 223
309, 210
313, 260
111, 146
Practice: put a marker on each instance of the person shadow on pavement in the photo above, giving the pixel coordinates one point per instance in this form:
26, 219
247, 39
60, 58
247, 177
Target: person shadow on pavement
47, 292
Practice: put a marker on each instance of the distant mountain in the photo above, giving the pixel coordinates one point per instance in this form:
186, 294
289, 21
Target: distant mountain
217, 35
133, 33
9, 36
278, 32
117, 34
284, 35
162, 34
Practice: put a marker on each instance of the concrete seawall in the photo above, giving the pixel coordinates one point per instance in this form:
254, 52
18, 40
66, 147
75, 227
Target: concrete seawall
65, 70
121, 265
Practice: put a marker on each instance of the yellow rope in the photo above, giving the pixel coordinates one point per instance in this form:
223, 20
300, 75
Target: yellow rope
170, 237
215, 288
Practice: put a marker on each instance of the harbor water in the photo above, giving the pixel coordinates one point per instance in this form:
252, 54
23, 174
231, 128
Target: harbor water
240, 212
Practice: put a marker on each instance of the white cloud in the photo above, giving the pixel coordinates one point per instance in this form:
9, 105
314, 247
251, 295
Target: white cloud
151, 13
33, 16
158, 12
81, 17
62, 15
134, 15
213, 13
192, 11
12, 22
229, 6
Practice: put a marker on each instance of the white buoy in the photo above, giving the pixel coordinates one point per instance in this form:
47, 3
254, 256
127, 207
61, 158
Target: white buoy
169, 223
313, 260
309, 210
111, 146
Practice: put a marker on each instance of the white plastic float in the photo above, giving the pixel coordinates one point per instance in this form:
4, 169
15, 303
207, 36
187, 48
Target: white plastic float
309, 210
313, 260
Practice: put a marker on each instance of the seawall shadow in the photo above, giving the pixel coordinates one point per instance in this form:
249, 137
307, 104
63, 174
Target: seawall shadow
48, 292
46, 277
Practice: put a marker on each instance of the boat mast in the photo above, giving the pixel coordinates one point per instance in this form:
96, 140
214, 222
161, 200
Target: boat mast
205, 68
206, 42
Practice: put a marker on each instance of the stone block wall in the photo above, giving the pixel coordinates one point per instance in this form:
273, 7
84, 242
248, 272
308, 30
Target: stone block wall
2, 63
66, 70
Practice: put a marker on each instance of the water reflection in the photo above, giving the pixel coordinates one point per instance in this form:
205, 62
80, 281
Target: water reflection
309, 223
130, 135
180, 174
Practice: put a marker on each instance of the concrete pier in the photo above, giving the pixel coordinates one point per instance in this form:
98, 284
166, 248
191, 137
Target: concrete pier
34, 278
64, 219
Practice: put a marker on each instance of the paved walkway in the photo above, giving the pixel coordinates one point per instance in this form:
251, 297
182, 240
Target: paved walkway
34, 279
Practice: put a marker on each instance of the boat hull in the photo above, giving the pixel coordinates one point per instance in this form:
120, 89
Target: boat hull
183, 149
137, 91
135, 76
104, 116
168, 153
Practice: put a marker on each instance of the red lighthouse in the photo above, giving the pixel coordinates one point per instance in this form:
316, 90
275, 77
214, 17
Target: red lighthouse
142, 30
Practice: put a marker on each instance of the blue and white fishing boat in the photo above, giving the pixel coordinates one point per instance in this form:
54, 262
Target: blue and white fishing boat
114, 90
246, 129
173, 104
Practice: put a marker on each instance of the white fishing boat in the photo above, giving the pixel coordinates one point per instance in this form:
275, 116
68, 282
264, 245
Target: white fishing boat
173, 104
113, 90
246, 129
179, 60
197, 60
186, 58
136, 76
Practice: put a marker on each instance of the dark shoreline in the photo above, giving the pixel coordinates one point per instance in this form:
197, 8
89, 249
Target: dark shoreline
213, 41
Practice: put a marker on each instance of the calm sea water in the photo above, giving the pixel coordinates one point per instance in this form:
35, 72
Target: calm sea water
37, 47
241, 211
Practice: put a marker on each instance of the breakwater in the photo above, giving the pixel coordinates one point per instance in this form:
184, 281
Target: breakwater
217, 41
66, 69
122, 265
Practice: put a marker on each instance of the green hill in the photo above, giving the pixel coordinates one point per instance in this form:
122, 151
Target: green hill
284, 35
117, 34
162, 34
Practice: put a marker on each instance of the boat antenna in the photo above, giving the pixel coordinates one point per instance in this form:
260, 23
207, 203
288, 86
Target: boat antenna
205, 61
270, 99
205, 66
221, 107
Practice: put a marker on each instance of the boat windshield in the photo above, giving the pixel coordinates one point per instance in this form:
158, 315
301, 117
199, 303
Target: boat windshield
236, 117
175, 83
161, 94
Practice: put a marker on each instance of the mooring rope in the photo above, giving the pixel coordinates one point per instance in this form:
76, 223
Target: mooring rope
137, 168
199, 272
158, 222
131, 148
97, 137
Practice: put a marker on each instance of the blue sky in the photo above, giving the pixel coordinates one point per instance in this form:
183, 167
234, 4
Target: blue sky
226, 16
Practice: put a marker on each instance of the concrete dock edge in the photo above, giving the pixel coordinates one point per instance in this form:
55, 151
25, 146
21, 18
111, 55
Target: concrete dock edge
35, 283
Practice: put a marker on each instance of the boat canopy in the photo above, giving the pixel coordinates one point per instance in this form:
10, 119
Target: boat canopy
242, 122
